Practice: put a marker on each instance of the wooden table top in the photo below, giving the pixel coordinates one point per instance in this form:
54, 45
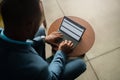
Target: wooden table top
87, 40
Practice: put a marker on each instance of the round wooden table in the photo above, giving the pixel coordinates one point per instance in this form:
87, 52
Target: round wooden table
87, 40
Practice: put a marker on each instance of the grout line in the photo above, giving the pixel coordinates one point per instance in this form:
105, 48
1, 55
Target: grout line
103, 54
60, 7
92, 68
88, 60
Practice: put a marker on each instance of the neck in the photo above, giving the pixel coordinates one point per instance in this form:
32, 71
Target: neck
15, 35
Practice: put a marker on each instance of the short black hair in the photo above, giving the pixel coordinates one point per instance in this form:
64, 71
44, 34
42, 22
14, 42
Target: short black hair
20, 12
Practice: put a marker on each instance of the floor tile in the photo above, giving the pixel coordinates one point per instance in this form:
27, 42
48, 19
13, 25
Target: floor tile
103, 17
48, 51
0, 1
52, 11
88, 74
1, 22
81, 8
107, 66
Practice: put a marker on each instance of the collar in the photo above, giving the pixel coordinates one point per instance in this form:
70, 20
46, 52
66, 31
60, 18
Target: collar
4, 37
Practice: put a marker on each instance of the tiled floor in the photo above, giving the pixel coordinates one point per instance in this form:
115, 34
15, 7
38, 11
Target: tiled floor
104, 16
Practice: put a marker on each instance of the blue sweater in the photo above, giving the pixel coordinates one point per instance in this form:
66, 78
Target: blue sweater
22, 62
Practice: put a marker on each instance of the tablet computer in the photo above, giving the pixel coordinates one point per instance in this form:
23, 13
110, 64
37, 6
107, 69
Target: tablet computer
71, 30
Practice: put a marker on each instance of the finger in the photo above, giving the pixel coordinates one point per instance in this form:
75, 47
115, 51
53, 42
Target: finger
65, 42
59, 37
57, 33
69, 42
62, 42
71, 45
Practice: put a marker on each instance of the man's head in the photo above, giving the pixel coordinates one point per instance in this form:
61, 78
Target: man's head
22, 17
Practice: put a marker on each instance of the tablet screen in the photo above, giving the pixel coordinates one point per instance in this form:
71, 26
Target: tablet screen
72, 29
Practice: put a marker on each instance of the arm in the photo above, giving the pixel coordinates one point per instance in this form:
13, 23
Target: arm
55, 68
57, 65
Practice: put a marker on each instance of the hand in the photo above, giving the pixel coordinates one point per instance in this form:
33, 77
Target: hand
53, 38
66, 46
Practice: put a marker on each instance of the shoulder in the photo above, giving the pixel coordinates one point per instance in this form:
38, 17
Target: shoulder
29, 66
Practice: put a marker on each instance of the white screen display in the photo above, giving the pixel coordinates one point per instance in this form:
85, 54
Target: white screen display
71, 29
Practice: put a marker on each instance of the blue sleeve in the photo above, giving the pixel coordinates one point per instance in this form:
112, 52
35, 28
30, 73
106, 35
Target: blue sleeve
57, 65
33, 67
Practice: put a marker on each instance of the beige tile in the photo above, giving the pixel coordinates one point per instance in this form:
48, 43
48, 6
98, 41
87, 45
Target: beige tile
107, 66
52, 11
88, 74
85, 58
81, 8
48, 51
104, 17
106, 26
1, 22
0, 1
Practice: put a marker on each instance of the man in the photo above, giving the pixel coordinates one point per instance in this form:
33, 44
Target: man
22, 46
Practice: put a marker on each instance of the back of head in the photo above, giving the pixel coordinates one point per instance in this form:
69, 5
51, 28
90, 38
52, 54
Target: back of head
20, 12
